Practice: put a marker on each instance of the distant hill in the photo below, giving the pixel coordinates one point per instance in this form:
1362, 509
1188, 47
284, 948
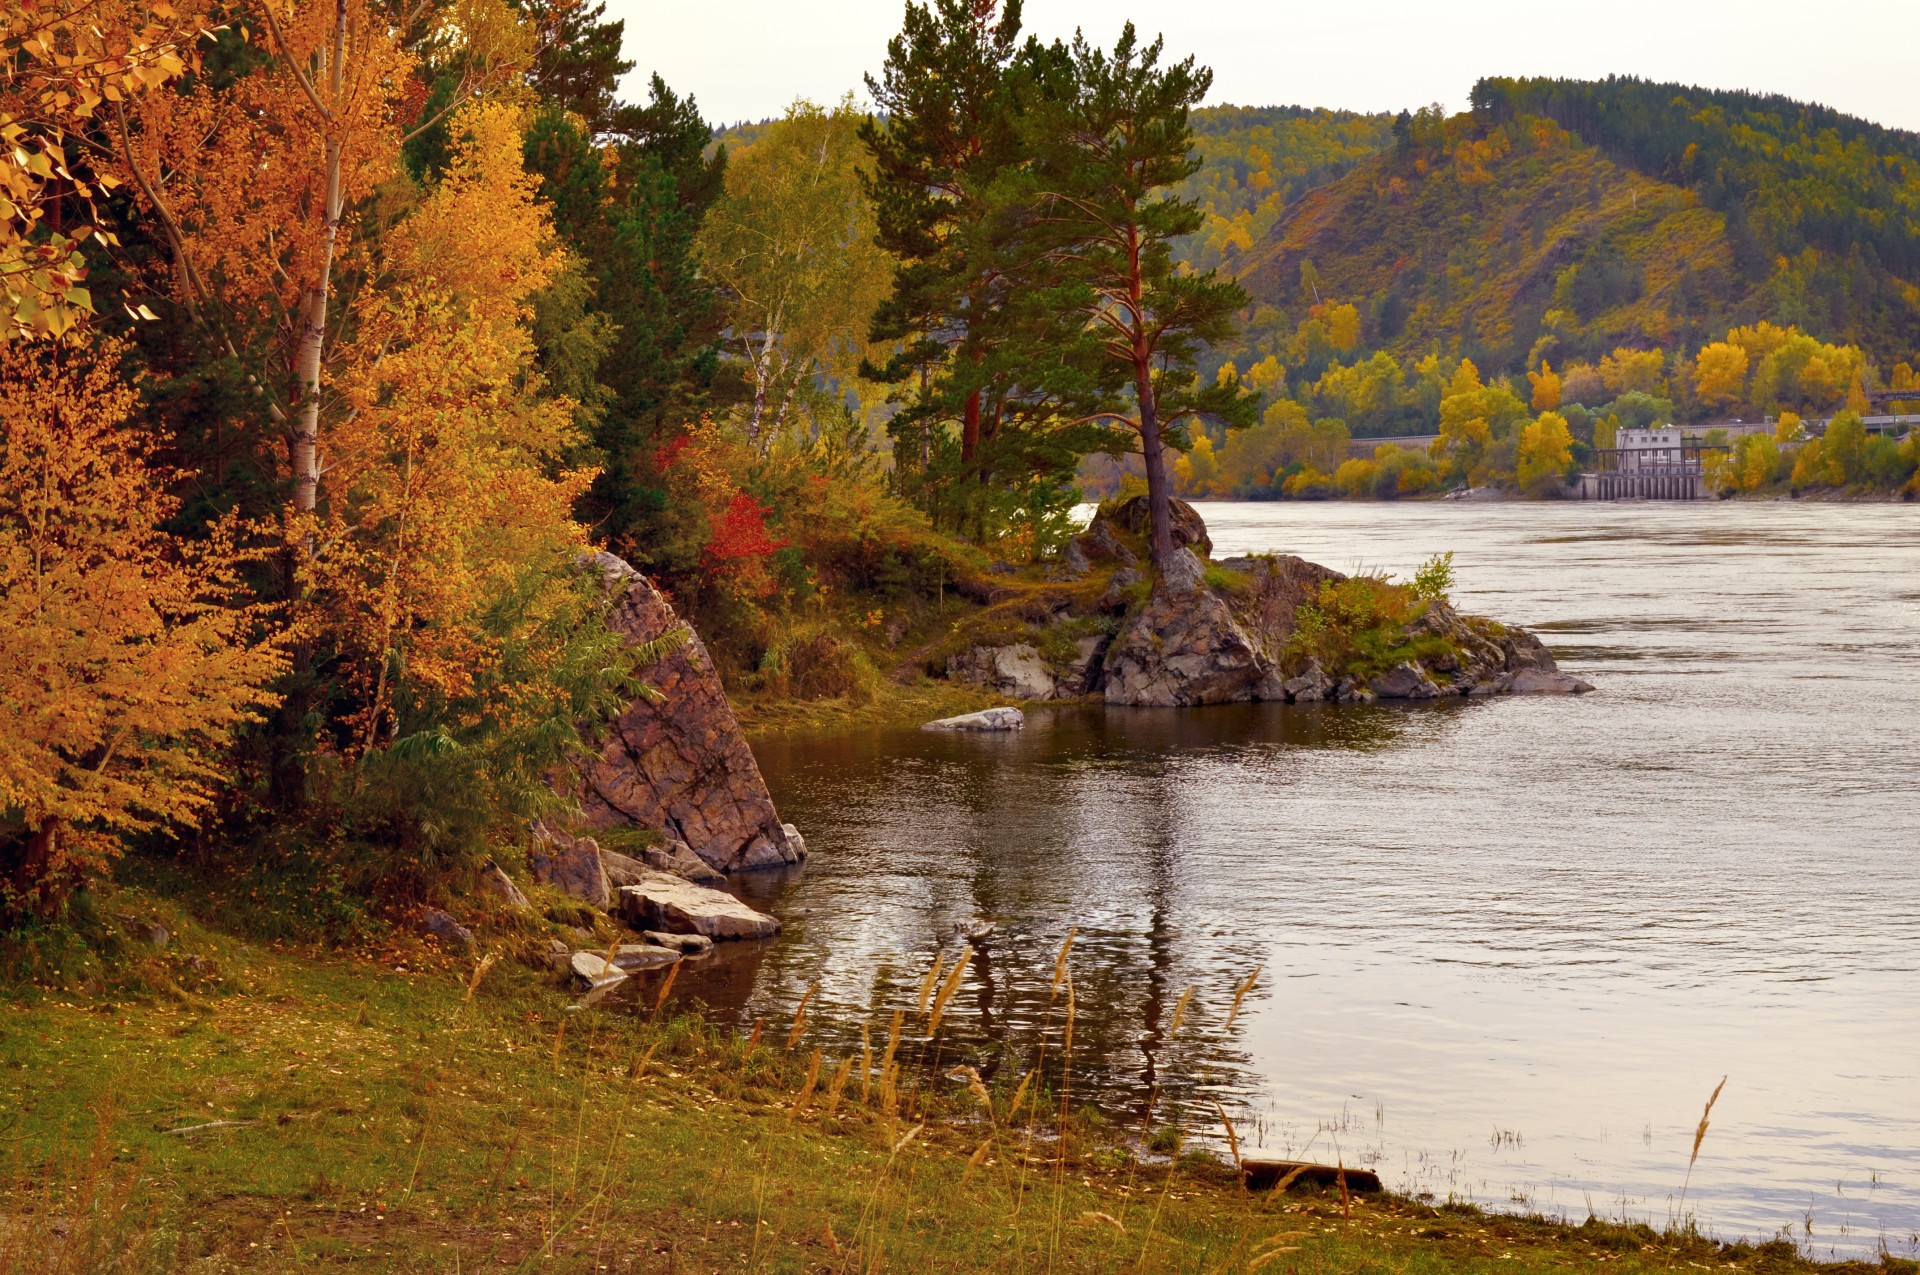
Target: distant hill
1566, 218
1256, 160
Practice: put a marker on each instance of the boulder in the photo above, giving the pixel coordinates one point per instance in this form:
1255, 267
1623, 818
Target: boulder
443, 927
570, 864
1098, 543
495, 881
1404, 681
671, 856
1309, 686
643, 956
1351, 692
1017, 672
1133, 516
666, 902
685, 944
1085, 672
986, 719
678, 761
1536, 682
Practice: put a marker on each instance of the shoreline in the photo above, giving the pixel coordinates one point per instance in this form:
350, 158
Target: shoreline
303, 1107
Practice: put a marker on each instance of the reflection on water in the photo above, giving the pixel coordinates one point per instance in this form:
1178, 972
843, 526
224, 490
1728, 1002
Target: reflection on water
1507, 947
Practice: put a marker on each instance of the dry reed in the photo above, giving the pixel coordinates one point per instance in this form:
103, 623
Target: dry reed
800, 1018
1180, 1011
1700, 1136
838, 1084
666, 988
947, 990
926, 984
1060, 963
1240, 994
806, 1086
1233, 1138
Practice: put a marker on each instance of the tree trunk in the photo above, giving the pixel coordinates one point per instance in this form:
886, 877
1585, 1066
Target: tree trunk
310, 340
970, 429
27, 862
1159, 494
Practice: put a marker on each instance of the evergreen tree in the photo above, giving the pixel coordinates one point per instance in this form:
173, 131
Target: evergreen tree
1108, 134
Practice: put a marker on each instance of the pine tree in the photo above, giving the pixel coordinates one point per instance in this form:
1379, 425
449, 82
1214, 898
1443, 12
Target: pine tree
1108, 134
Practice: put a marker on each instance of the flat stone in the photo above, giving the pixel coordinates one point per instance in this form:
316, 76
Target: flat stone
986, 719
643, 956
1535, 682
685, 944
594, 970
667, 902
1265, 1175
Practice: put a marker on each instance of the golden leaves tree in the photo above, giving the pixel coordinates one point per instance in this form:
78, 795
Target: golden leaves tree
129, 662
60, 62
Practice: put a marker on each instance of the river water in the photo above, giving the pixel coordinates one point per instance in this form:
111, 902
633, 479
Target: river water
1506, 948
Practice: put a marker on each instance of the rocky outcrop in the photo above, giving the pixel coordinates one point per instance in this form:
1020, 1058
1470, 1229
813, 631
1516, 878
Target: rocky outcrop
680, 763
1184, 647
662, 901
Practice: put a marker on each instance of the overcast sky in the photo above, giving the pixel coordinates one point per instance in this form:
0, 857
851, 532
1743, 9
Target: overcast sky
748, 59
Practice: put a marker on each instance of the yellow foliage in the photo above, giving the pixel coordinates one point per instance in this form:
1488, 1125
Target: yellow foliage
1720, 373
1626, 370
1546, 387
1355, 477
1546, 449
128, 663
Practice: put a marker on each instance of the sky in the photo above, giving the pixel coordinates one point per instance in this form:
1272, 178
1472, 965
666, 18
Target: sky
749, 59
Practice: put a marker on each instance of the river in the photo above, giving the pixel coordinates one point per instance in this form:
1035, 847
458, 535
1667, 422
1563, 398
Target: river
1506, 948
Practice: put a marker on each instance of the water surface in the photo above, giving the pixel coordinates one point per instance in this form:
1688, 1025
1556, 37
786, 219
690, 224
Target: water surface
1507, 947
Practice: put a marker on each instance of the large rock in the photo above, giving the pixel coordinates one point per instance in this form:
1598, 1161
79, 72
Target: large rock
1183, 647
1404, 681
1017, 672
666, 902
1134, 516
445, 928
496, 882
1534, 682
570, 864
680, 763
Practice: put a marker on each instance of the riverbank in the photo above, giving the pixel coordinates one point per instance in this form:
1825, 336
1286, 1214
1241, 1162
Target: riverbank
234, 1106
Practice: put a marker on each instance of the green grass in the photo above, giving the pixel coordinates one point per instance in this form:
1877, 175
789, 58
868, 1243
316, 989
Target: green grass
308, 1110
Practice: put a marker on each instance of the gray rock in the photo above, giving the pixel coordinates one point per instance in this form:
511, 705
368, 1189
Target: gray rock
1182, 648
667, 902
445, 928
685, 944
986, 719
794, 847
1018, 671
1084, 673
1311, 685
495, 881
1351, 692
673, 855
1185, 572
1115, 599
1536, 682
569, 864
593, 970
643, 956
1074, 563
1404, 681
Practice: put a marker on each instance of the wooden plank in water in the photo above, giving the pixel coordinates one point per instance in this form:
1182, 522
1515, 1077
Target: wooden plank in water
1265, 1175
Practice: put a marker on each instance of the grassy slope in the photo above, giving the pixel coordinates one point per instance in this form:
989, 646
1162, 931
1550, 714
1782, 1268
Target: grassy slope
379, 1120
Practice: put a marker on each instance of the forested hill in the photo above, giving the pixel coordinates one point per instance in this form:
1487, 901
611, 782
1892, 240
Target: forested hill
1256, 160
1563, 219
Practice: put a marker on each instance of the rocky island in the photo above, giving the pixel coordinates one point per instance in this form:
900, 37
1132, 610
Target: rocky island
1256, 628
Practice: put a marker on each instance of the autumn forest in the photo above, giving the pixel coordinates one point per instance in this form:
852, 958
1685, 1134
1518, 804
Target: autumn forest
336, 335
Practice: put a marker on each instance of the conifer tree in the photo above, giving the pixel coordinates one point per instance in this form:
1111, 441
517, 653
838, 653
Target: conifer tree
1109, 134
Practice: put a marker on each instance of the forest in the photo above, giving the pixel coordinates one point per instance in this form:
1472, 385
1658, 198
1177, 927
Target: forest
335, 336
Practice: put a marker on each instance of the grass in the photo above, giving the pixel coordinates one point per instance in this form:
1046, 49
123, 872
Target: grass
402, 1110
